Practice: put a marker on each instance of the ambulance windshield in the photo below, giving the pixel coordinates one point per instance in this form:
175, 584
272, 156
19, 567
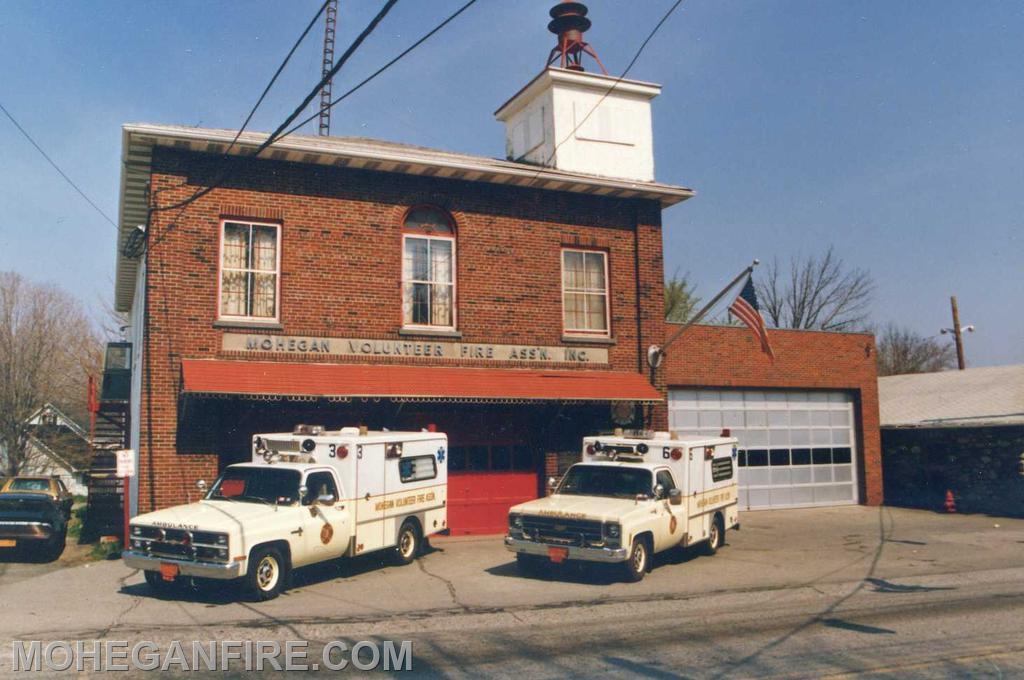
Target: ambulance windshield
600, 480
262, 484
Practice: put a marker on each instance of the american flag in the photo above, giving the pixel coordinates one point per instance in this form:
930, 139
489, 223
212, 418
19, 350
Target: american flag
745, 308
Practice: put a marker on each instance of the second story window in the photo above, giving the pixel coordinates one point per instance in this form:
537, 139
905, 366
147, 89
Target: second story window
250, 266
585, 292
428, 269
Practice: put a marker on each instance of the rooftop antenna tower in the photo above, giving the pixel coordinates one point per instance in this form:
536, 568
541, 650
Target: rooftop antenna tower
569, 21
330, 19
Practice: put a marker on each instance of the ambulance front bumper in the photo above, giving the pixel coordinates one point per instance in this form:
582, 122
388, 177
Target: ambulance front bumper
215, 570
520, 545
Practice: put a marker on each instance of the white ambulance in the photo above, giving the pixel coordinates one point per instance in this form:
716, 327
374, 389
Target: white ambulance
631, 497
307, 496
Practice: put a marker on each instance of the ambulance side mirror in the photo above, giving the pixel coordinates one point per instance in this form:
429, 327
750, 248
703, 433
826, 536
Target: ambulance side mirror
675, 497
552, 482
303, 492
659, 491
201, 485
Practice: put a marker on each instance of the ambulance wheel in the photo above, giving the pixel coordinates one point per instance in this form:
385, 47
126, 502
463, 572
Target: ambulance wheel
267, 573
639, 560
527, 564
408, 545
717, 536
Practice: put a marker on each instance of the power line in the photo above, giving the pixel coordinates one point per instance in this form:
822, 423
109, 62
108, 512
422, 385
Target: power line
298, 110
618, 80
280, 68
256, 106
56, 167
386, 66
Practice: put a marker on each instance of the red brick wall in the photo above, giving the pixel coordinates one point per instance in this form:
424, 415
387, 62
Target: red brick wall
723, 356
341, 267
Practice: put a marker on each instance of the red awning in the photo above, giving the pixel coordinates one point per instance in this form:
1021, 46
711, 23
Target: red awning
417, 383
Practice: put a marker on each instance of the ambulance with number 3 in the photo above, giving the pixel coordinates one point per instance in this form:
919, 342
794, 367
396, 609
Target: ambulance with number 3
307, 496
629, 498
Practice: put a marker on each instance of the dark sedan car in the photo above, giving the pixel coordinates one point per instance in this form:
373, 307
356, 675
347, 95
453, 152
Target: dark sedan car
32, 524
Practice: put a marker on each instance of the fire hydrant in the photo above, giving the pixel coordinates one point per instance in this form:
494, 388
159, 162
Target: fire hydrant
950, 501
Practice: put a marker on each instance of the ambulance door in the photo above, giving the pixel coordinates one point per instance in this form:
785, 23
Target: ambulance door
697, 525
671, 523
327, 526
370, 498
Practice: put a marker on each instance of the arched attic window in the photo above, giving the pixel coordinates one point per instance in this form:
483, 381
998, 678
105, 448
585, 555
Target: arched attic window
428, 268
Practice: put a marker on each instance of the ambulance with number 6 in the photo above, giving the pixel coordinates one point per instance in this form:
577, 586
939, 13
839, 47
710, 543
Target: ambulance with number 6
629, 498
307, 496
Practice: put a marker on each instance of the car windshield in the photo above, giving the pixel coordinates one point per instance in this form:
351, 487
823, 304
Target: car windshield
257, 485
600, 480
29, 485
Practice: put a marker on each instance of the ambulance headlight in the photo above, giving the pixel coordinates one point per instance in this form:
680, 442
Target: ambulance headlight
612, 530
515, 525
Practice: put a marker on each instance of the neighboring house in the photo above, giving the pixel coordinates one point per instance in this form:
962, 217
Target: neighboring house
57, 441
961, 431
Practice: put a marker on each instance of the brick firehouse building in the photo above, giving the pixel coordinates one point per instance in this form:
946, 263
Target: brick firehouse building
508, 303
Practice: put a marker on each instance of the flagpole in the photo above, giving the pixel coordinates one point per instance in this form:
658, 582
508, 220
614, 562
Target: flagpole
655, 353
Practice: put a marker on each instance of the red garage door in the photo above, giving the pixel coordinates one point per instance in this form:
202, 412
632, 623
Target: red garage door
484, 481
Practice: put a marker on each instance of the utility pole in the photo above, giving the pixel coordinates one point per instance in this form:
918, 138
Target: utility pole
958, 334
330, 21
957, 331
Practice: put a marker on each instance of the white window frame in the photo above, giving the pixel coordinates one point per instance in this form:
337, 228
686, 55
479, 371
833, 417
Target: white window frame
221, 269
583, 332
454, 284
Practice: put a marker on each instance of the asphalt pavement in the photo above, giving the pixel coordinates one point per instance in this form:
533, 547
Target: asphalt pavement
847, 592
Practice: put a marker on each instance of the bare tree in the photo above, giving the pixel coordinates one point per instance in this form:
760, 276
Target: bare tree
680, 298
47, 348
816, 293
901, 350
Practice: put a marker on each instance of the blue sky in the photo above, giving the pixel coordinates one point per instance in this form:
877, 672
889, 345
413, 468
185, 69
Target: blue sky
891, 130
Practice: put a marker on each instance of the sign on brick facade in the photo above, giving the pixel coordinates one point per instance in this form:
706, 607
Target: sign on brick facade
417, 349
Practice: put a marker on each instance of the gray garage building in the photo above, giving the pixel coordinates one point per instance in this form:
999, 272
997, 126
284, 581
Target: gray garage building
961, 431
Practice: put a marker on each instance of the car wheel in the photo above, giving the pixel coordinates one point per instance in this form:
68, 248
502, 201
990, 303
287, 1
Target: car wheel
408, 544
268, 570
528, 565
717, 536
54, 548
639, 560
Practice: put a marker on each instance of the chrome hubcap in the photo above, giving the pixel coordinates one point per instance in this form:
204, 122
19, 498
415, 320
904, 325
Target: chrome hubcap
714, 535
407, 544
266, 573
639, 558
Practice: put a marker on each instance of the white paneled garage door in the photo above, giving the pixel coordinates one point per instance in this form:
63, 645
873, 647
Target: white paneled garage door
796, 448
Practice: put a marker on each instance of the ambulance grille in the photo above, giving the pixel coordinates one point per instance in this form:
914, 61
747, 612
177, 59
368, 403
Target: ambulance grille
561, 531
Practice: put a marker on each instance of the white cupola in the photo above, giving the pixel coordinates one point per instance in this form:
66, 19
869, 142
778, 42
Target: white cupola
571, 120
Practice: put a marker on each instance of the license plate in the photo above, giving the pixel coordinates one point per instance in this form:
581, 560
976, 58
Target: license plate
558, 555
168, 572
8, 543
